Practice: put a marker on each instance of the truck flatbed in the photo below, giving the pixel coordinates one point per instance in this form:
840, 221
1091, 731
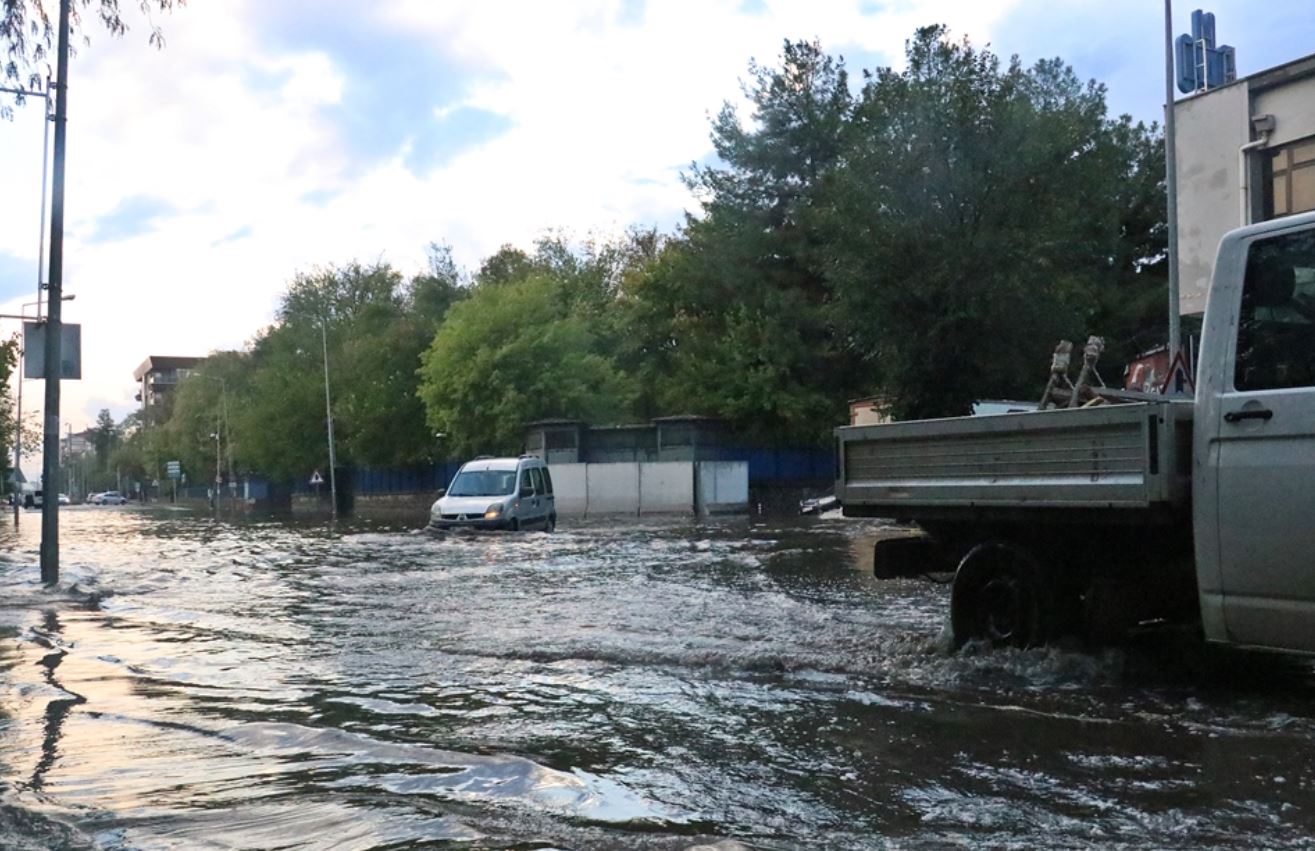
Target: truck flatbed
1123, 458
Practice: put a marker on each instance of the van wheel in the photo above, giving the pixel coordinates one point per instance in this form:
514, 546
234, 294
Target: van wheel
1000, 596
514, 525
551, 525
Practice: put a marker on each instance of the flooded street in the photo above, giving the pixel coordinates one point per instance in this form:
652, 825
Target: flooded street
195, 684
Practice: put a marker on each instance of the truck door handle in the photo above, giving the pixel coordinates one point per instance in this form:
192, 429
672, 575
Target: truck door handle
1250, 414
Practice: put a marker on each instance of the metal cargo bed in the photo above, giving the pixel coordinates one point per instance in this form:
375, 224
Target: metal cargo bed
1121, 457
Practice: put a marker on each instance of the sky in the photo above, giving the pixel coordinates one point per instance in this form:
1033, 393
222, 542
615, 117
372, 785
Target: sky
270, 137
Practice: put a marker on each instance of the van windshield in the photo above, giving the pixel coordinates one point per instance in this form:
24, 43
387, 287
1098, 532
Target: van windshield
483, 483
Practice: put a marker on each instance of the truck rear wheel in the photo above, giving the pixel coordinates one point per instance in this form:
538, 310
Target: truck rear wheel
1001, 596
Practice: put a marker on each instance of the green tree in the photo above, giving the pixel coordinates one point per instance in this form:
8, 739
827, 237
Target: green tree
975, 219
9, 425
202, 404
374, 325
103, 436
512, 353
735, 318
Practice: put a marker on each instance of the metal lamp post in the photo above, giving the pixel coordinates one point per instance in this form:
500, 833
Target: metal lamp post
328, 413
221, 430
214, 498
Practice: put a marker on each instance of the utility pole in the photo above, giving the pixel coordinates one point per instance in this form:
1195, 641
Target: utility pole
1171, 182
54, 327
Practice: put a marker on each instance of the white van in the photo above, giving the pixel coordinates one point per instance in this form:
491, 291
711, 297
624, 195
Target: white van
498, 493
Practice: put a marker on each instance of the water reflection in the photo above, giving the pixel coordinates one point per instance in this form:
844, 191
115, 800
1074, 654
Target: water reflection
57, 708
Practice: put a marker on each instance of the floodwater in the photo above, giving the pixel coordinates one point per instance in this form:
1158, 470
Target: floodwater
201, 684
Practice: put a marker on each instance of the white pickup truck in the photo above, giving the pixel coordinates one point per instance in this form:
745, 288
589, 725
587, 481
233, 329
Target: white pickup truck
1096, 519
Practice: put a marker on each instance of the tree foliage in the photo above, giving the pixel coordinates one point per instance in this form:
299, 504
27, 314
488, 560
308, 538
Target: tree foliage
532, 342
975, 220
9, 424
268, 404
28, 31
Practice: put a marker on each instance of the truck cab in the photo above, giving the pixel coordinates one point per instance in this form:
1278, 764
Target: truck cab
1253, 466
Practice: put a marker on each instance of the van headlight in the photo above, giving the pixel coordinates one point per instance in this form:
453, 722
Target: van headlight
493, 512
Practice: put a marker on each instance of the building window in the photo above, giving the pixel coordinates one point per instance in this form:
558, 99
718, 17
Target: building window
1290, 179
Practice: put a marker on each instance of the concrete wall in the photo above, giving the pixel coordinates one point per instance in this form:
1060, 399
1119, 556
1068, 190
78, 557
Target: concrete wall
723, 487
570, 489
666, 487
611, 489
1211, 128
1292, 107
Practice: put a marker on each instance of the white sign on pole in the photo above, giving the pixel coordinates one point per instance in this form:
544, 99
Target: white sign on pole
70, 351
316, 479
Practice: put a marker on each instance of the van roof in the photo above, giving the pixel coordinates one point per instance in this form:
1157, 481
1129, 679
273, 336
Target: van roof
497, 463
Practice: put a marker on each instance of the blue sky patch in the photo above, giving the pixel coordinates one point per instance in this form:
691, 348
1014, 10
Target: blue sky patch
239, 234
320, 197
17, 277
752, 7
393, 80
442, 139
631, 14
132, 217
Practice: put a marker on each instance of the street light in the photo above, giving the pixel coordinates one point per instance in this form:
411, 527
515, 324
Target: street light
328, 413
214, 494
220, 428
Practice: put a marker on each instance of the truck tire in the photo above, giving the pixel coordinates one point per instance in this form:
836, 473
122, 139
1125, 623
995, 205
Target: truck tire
1000, 596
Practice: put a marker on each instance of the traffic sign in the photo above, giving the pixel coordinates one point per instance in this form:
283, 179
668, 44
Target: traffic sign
1179, 380
316, 479
174, 469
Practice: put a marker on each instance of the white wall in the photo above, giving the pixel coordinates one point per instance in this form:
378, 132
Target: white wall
647, 488
570, 486
612, 488
666, 487
723, 487
1211, 127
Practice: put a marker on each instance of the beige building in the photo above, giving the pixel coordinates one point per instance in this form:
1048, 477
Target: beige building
1246, 153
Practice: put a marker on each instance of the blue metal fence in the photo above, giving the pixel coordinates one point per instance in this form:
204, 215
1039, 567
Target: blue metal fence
766, 467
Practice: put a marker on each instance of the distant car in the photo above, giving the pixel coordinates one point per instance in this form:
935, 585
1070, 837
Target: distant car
64, 500
111, 498
498, 493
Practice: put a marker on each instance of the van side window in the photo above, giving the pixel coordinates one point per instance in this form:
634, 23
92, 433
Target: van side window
538, 480
1276, 328
527, 483
547, 481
